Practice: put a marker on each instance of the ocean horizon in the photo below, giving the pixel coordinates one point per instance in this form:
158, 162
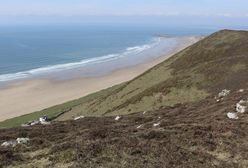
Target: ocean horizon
30, 51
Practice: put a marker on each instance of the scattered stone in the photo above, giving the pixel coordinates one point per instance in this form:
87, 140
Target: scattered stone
80, 117
242, 101
218, 100
117, 118
232, 115
22, 140
30, 123
25, 125
224, 93
43, 119
34, 123
13, 143
159, 117
241, 106
144, 112
9, 144
45, 123
240, 109
139, 126
156, 124
241, 90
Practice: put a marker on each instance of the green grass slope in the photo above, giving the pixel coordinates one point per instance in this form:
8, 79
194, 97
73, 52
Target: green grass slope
215, 62
189, 76
192, 129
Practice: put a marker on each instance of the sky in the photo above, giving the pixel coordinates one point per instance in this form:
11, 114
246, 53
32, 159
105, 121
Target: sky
109, 10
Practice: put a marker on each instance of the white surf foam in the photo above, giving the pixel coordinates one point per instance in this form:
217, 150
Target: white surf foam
68, 66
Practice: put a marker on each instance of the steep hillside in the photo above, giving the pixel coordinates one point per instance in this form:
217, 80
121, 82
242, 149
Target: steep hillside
216, 62
189, 76
192, 135
178, 118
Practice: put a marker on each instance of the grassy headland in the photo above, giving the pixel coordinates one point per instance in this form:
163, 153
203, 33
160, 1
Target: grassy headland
184, 125
189, 76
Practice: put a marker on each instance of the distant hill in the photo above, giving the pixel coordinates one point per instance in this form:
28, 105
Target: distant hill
177, 118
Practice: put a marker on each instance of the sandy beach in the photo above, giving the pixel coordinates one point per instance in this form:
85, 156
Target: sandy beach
28, 96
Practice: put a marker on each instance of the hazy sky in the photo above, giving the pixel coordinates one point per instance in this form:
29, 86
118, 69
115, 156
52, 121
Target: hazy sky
124, 7
229, 9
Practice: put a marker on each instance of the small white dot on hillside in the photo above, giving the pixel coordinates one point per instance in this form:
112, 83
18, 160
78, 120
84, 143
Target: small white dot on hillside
241, 90
139, 126
117, 118
80, 117
156, 124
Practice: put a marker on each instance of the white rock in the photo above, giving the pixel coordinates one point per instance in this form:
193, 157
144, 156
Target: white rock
242, 102
156, 124
34, 123
25, 125
240, 108
144, 112
232, 116
241, 90
22, 140
80, 117
117, 118
13, 143
159, 117
224, 93
218, 100
139, 126
43, 119
45, 123
5, 144
9, 144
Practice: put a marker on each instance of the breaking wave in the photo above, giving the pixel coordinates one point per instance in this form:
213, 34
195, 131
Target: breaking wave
67, 66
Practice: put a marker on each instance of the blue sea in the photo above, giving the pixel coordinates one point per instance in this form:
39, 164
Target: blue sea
39, 51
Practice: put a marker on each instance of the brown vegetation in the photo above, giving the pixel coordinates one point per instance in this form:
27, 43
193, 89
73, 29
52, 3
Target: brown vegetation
195, 133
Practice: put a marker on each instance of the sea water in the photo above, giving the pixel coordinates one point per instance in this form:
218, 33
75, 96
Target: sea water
39, 51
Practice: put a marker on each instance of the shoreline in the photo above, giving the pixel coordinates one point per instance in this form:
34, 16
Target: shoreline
27, 96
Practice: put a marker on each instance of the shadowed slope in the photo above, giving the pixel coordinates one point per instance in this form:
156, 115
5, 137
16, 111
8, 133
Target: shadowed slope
192, 135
